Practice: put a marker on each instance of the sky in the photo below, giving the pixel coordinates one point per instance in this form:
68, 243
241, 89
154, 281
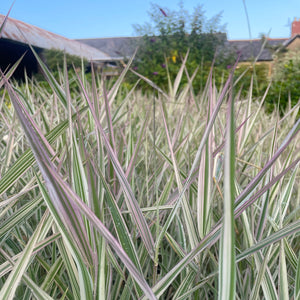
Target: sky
112, 18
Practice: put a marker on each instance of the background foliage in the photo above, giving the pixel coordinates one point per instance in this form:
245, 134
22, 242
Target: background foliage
170, 34
285, 88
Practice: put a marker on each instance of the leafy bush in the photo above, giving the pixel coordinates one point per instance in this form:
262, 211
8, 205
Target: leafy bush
170, 35
285, 89
55, 60
258, 72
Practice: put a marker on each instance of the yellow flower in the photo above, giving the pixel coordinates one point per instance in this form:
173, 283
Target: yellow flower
174, 56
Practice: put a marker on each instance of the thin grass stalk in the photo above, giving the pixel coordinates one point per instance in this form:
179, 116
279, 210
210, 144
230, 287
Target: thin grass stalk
227, 269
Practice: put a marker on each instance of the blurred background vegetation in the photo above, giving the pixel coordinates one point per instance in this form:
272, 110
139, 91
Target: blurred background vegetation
167, 38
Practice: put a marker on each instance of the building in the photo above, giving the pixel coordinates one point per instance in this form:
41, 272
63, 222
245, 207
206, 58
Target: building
260, 51
17, 35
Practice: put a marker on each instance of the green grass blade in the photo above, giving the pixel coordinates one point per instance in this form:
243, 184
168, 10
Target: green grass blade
227, 267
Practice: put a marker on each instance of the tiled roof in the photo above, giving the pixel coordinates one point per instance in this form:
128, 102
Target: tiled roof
120, 47
117, 48
250, 49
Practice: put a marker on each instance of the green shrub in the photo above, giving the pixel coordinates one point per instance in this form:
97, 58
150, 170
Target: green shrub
55, 60
259, 72
170, 35
285, 89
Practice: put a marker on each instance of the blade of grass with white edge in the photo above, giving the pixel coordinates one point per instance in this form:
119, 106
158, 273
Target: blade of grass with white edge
9, 288
205, 179
227, 267
25, 161
271, 239
264, 278
198, 155
89, 214
130, 199
12, 69
214, 234
259, 280
120, 225
9, 223
38, 292
114, 90
51, 80
283, 275
62, 195
253, 183
68, 212
297, 281
84, 280
179, 77
193, 238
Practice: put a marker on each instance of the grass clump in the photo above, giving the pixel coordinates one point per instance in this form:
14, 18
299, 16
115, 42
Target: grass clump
169, 195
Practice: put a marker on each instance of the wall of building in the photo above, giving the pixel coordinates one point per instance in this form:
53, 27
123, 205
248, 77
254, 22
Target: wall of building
295, 44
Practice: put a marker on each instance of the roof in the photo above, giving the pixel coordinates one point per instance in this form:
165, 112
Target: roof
120, 47
250, 49
21, 32
117, 47
289, 41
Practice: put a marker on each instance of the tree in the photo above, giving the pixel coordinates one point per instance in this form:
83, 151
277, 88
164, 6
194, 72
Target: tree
168, 36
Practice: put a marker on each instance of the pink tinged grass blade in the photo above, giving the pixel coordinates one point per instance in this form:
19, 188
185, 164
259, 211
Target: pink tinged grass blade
89, 214
227, 267
11, 71
2, 27
69, 247
61, 194
69, 213
131, 202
